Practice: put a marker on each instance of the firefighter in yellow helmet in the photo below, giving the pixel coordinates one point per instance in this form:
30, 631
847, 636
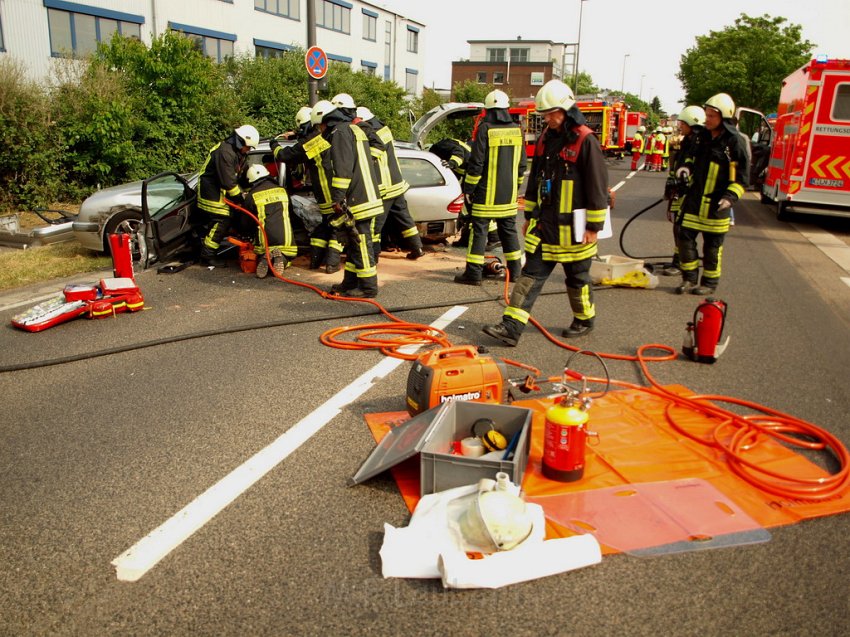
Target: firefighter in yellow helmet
717, 180
494, 174
220, 175
270, 204
637, 146
568, 174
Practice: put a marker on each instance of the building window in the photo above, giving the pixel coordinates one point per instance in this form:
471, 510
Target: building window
266, 49
481, 77
498, 77
340, 58
369, 68
413, 39
77, 32
495, 55
388, 46
334, 15
213, 44
370, 26
285, 8
410, 76
519, 55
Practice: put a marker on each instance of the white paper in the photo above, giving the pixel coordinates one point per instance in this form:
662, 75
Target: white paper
580, 224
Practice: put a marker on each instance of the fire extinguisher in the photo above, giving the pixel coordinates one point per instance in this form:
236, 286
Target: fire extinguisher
702, 335
565, 438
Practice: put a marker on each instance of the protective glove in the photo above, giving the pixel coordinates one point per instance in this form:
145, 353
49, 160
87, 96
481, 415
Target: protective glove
467, 199
670, 188
724, 204
683, 173
447, 164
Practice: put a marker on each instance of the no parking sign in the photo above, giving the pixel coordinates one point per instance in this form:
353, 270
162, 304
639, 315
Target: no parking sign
316, 62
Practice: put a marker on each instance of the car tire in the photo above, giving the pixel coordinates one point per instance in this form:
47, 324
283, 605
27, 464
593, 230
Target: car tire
124, 221
782, 212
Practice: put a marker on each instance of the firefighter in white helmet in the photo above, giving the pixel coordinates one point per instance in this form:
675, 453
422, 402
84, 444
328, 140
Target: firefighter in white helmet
717, 180
494, 174
690, 122
270, 204
219, 179
568, 174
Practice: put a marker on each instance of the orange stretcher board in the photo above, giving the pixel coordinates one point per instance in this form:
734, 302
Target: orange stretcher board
636, 445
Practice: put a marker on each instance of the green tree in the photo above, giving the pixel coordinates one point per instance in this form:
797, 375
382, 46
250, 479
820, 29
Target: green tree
585, 85
748, 61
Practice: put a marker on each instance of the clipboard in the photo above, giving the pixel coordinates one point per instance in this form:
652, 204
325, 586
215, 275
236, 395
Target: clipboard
580, 223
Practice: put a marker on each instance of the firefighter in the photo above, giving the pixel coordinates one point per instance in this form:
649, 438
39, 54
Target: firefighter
356, 199
270, 204
690, 122
658, 144
717, 181
392, 188
665, 156
493, 176
220, 175
568, 174
311, 148
637, 146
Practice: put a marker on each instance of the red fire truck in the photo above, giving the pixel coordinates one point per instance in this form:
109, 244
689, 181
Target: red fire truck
634, 119
607, 120
809, 166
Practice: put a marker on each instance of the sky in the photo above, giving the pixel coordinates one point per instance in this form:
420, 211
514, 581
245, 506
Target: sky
633, 44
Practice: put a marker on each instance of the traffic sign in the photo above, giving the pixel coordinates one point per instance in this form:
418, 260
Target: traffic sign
316, 62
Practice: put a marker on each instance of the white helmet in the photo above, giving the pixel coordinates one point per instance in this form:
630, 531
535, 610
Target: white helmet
343, 100
320, 109
641, 129
248, 134
723, 103
303, 115
364, 113
255, 172
658, 129
497, 99
554, 94
692, 116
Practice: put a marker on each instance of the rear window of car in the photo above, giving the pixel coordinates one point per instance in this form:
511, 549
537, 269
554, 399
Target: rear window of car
420, 173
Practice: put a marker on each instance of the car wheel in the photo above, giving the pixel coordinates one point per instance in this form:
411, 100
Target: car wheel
124, 222
782, 211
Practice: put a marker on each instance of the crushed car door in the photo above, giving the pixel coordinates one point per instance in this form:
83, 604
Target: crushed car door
168, 203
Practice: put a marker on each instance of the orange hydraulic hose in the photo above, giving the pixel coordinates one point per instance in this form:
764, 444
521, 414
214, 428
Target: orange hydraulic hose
733, 435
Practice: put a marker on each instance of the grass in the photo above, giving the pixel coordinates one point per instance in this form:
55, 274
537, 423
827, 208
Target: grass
33, 265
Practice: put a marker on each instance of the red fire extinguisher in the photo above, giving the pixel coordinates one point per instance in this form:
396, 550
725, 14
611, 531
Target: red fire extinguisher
702, 335
564, 439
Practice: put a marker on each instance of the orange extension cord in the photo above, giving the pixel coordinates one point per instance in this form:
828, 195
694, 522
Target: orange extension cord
733, 435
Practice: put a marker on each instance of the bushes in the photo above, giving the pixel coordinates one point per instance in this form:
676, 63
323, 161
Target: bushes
132, 111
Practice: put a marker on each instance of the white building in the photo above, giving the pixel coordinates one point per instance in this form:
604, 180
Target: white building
368, 37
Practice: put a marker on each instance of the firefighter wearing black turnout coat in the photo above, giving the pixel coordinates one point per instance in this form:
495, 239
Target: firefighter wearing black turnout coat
493, 176
270, 204
356, 200
220, 175
568, 182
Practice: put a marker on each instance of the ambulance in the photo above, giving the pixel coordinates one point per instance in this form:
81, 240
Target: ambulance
809, 165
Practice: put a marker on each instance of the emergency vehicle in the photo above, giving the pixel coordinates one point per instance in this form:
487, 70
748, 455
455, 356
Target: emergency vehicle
809, 166
607, 120
634, 120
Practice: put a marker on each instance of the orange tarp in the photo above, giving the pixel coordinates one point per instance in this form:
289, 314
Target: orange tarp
635, 445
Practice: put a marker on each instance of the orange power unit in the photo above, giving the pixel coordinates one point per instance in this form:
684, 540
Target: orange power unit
455, 373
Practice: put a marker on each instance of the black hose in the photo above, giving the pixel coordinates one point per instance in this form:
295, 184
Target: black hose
623, 233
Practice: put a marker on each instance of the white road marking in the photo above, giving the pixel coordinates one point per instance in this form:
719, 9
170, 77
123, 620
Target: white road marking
617, 187
133, 563
829, 244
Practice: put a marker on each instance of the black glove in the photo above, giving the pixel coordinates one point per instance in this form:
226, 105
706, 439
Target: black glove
670, 188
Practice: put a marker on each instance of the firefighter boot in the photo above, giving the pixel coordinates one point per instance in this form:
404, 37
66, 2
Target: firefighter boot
503, 332
581, 303
262, 266
279, 262
317, 255
210, 258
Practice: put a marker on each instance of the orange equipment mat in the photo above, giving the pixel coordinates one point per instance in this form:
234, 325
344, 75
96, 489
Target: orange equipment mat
636, 445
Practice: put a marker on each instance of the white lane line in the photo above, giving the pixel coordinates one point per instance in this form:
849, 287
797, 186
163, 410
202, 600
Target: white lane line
133, 563
829, 244
617, 187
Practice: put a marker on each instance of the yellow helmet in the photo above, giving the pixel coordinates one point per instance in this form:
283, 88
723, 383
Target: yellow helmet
692, 116
497, 99
721, 102
303, 115
554, 94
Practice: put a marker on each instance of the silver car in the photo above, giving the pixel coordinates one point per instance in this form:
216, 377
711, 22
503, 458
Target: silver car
160, 214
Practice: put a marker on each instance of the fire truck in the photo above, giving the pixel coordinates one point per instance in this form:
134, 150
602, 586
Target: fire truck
809, 166
607, 120
634, 119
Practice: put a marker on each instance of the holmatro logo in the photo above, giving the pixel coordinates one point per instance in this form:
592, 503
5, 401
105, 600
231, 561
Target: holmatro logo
470, 395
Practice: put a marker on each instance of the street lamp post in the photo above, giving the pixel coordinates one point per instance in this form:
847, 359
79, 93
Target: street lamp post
623, 80
640, 93
578, 45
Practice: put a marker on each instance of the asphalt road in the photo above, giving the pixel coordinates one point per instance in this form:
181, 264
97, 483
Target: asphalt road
111, 427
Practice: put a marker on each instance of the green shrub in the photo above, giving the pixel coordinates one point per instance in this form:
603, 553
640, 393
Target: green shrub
30, 164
